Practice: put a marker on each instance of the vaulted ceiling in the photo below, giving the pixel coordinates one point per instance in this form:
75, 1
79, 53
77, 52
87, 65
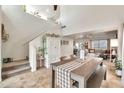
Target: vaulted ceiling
82, 18
90, 18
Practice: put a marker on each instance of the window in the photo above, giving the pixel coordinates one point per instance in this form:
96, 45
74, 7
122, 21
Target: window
99, 44
95, 44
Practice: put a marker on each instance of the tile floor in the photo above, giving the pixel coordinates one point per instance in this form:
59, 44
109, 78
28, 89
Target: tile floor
42, 79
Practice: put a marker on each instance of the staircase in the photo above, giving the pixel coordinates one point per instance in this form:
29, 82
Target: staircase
14, 68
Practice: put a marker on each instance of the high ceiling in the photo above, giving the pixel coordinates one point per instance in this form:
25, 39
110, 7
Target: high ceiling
45, 11
82, 18
90, 18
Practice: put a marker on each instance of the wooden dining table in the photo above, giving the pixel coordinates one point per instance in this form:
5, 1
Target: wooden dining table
80, 74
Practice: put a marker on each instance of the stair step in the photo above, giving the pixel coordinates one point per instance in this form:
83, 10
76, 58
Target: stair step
14, 67
10, 73
14, 64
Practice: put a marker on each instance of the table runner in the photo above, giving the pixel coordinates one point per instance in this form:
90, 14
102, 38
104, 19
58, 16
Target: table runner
63, 73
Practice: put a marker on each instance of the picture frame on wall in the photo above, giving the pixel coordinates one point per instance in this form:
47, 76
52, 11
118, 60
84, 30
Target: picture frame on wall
64, 42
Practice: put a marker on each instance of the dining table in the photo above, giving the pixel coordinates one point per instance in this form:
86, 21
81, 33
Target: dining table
80, 74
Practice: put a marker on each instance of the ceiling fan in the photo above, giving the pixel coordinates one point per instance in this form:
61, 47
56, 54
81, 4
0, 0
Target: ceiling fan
55, 7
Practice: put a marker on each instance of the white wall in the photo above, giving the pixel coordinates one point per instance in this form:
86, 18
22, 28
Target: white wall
22, 27
37, 42
120, 48
120, 38
0, 45
33, 45
67, 50
32, 57
52, 53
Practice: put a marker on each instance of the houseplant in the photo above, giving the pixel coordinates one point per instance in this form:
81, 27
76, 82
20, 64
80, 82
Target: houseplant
118, 66
40, 51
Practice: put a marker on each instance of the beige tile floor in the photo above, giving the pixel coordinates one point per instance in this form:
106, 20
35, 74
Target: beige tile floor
42, 79
112, 80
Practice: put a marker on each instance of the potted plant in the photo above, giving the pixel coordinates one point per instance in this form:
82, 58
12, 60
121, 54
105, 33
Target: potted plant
118, 66
40, 57
40, 51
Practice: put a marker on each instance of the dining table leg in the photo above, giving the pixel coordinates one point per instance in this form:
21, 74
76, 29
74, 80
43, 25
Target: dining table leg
53, 78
